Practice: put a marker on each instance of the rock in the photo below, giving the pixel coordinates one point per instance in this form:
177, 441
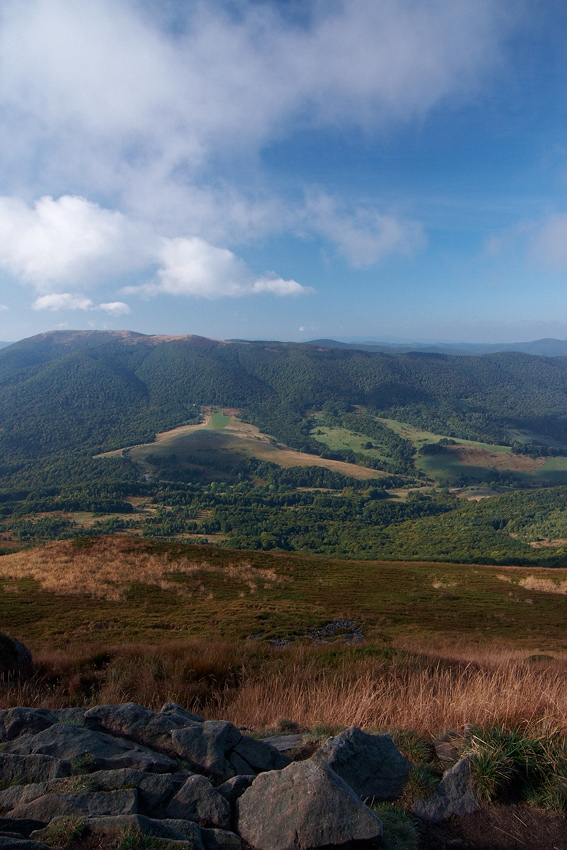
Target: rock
88, 750
7, 843
92, 804
31, 768
455, 795
233, 788
285, 743
133, 721
15, 658
198, 801
371, 764
257, 755
15, 721
19, 826
206, 745
219, 839
173, 709
116, 824
306, 805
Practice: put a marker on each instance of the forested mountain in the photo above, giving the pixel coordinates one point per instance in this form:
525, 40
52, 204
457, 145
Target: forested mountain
544, 347
68, 395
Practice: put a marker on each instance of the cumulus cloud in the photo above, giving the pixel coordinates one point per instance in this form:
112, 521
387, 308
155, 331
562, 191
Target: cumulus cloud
364, 236
62, 301
139, 101
192, 266
72, 240
66, 240
115, 308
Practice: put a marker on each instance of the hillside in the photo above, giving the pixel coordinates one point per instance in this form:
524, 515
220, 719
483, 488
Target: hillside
69, 395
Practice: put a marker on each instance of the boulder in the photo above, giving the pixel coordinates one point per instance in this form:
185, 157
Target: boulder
173, 709
235, 787
21, 770
18, 721
205, 747
19, 826
285, 743
258, 755
198, 801
15, 658
306, 805
116, 824
9, 843
455, 795
371, 764
133, 721
92, 804
88, 750
220, 839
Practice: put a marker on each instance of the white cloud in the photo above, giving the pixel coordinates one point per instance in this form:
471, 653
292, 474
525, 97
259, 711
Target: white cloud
194, 267
115, 308
365, 236
549, 243
69, 240
62, 301
4, 307
109, 97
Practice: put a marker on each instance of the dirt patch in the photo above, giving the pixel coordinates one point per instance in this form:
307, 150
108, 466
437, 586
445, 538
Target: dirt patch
545, 585
499, 827
470, 456
548, 544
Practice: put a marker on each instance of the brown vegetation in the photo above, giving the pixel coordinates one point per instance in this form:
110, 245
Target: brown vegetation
262, 687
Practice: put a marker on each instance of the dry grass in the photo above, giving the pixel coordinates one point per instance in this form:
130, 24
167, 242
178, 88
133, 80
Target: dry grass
107, 570
257, 686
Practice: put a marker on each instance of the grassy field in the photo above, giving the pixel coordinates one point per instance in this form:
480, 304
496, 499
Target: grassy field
255, 637
222, 440
132, 589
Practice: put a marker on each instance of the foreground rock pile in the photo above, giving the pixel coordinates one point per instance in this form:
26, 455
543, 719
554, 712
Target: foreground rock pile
176, 776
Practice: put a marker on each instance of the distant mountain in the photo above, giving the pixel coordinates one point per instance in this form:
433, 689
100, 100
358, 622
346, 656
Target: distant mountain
67, 395
4, 344
543, 347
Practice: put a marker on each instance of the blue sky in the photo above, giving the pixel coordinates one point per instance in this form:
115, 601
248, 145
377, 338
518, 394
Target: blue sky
387, 169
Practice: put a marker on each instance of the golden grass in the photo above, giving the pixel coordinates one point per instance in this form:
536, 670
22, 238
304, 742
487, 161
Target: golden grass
257, 686
107, 570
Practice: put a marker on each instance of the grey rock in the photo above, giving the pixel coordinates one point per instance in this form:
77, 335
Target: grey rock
8, 843
92, 804
31, 768
206, 745
139, 724
153, 788
16, 721
15, 658
198, 801
116, 824
219, 839
90, 750
445, 751
241, 767
235, 787
68, 715
455, 795
173, 709
371, 764
19, 826
285, 743
259, 755
306, 805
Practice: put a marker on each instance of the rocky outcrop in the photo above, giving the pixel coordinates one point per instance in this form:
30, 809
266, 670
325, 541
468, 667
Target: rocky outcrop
306, 805
455, 795
371, 765
173, 775
15, 658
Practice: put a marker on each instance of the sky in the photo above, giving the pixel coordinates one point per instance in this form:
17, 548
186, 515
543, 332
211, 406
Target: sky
388, 170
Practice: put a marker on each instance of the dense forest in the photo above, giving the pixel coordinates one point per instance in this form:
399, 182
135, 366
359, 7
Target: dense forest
67, 396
